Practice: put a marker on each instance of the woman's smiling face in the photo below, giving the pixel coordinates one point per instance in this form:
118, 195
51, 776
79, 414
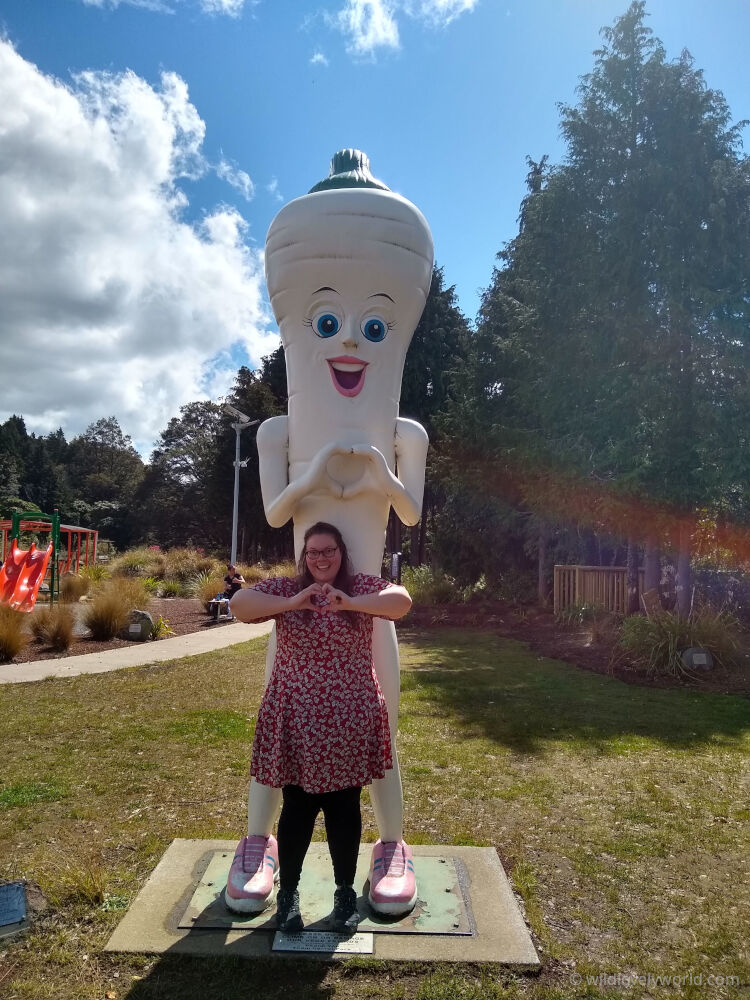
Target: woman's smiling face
323, 557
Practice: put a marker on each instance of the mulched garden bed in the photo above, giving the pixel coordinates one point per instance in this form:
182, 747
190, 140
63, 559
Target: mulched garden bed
184, 615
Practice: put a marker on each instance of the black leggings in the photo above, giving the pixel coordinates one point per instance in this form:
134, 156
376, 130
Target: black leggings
343, 820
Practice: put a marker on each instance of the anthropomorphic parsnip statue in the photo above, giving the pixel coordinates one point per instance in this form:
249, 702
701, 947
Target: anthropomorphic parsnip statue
348, 269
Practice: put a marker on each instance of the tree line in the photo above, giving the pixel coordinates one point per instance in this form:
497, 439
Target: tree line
598, 411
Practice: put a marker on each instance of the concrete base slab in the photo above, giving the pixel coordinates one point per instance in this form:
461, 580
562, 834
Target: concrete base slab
477, 897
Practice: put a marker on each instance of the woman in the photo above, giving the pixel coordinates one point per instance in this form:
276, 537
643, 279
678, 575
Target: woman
233, 581
322, 730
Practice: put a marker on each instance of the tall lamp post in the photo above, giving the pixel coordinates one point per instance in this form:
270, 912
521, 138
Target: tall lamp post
241, 422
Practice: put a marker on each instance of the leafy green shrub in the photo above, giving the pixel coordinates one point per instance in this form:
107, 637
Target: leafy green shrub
72, 587
655, 643
161, 628
152, 585
171, 588
13, 636
428, 586
94, 573
109, 612
475, 591
54, 626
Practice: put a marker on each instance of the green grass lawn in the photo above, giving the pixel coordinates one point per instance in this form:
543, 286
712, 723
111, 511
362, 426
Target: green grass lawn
620, 812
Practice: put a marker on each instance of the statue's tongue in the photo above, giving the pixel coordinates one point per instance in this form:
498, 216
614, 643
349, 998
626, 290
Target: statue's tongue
347, 380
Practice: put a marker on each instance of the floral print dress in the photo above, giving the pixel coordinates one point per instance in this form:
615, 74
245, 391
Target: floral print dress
323, 721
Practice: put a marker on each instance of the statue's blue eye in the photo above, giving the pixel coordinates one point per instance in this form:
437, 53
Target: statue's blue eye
375, 329
326, 325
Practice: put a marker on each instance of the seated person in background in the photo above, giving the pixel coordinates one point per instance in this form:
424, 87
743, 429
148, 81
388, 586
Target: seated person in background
233, 580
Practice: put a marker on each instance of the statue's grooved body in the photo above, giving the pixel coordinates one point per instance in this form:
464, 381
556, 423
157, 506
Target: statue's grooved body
348, 269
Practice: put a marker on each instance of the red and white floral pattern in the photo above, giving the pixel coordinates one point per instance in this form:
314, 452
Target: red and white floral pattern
323, 721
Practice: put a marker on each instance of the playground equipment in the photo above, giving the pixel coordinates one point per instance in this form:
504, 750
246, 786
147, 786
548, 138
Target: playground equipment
24, 570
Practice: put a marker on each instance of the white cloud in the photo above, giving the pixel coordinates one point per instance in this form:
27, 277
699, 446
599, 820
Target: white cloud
369, 25
273, 189
237, 178
156, 5
372, 24
111, 303
438, 12
233, 8
318, 59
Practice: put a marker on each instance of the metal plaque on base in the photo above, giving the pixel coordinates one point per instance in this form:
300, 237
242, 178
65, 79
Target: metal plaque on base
324, 943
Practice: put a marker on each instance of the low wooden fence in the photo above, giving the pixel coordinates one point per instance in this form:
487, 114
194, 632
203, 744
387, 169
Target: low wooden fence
604, 586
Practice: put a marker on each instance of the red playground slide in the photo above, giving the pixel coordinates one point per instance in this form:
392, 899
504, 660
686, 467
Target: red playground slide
22, 575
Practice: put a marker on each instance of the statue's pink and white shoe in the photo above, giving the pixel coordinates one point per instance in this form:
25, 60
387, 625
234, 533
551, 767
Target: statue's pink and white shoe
393, 888
252, 875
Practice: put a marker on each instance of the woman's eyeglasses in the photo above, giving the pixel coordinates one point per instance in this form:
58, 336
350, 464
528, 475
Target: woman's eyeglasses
328, 553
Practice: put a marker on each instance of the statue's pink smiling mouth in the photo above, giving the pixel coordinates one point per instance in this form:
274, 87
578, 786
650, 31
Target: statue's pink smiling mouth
348, 374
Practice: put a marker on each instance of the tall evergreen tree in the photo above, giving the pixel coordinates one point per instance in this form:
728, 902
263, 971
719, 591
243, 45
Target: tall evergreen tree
623, 301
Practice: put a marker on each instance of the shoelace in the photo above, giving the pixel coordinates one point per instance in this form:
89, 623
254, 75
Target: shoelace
253, 857
394, 861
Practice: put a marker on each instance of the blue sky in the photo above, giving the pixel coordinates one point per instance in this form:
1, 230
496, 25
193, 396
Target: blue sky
247, 101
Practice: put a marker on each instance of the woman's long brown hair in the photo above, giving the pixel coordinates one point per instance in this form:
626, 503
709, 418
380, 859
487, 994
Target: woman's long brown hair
344, 578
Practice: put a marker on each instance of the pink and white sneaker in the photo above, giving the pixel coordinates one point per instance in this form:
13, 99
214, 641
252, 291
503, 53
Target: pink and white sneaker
393, 888
252, 875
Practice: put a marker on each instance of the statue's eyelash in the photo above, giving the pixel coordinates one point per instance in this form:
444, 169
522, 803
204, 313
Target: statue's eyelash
307, 321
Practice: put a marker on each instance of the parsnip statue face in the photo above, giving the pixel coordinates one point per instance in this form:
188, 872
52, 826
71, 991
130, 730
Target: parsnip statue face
348, 272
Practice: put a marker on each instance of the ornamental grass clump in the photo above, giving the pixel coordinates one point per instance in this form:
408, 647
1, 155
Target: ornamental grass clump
287, 568
183, 564
255, 572
142, 561
205, 586
95, 573
54, 626
109, 612
73, 587
655, 643
13, 635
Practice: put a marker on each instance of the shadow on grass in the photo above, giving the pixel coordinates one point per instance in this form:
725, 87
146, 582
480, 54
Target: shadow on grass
499, 689
216, 977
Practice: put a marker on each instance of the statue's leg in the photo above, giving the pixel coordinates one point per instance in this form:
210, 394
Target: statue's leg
256, 860
386, 793
263, 802
393, 887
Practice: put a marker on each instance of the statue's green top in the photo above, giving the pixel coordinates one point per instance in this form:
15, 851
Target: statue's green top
350, 168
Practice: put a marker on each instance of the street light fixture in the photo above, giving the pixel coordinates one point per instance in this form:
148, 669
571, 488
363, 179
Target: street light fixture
240, 423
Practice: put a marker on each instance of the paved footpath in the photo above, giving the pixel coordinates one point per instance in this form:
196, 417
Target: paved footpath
136, 655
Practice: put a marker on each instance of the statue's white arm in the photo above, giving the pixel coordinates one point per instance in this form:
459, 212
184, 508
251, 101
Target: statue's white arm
280, 497
405, 489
